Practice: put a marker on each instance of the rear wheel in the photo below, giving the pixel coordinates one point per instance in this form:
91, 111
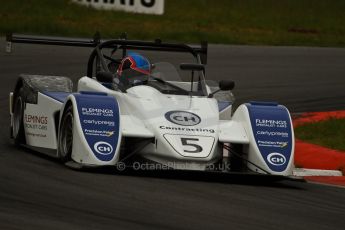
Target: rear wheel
18, 113
65, 138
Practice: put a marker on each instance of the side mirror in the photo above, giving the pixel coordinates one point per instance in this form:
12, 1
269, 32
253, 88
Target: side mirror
105, 77
225, 85
192, 67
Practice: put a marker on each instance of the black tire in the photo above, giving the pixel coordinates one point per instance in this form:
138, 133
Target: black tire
236, 162
18, 131
65, 137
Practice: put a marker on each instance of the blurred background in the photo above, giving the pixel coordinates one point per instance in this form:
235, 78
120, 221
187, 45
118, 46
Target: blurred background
254, 22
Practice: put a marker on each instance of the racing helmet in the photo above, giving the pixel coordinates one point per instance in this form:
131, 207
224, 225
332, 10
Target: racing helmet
134, 65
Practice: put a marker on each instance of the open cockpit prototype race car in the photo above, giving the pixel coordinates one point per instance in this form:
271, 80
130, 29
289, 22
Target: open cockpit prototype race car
156, 108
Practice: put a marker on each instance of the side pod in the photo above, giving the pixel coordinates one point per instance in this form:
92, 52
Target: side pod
96, 128
271, 137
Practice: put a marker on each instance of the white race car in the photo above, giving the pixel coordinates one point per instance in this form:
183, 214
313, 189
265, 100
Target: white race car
170, 117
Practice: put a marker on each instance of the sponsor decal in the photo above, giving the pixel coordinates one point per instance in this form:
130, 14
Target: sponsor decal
270, 123
35, 122
267, 133
183, 118
97, 122
34, 119
97, 112
36, 135
36, 126
100, 122
275, 144
103, 148
100, 133
272, 131
137, 6
276, 159
203, 130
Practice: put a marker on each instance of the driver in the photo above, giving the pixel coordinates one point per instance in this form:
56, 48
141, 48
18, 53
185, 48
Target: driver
133, 70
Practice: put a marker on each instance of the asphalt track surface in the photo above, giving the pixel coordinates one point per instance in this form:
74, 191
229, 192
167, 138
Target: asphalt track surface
37, 192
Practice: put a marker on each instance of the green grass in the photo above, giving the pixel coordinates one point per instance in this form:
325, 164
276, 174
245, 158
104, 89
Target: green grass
330, 133
264, 22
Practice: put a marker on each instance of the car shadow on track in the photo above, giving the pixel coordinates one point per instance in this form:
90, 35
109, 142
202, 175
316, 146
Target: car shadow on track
250, 179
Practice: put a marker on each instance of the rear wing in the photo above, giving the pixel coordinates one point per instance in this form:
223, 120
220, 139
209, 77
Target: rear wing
121, 43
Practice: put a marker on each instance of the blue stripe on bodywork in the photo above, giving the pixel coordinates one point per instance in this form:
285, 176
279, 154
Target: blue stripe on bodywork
223, 105
273, 134
59, 96
93, 93
100, 122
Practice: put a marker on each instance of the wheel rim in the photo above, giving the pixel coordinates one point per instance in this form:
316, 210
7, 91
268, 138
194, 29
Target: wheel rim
17, 116
66, 141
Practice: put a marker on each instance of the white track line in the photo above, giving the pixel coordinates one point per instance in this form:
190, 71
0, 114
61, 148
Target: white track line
302, 172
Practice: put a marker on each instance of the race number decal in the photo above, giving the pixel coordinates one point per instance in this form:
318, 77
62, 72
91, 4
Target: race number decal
191, 146
191, 142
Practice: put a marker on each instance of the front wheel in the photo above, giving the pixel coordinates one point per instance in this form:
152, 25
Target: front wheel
65, 138
18, 114
237, 163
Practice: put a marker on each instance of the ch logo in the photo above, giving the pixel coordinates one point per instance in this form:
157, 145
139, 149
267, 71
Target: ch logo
103, 148
276, 159
183, 118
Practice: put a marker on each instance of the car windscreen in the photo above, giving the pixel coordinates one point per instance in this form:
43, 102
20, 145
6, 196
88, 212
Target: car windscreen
165, 74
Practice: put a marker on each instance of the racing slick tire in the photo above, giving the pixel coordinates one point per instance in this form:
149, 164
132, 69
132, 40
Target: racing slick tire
65, 137
18, 131
236, 162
